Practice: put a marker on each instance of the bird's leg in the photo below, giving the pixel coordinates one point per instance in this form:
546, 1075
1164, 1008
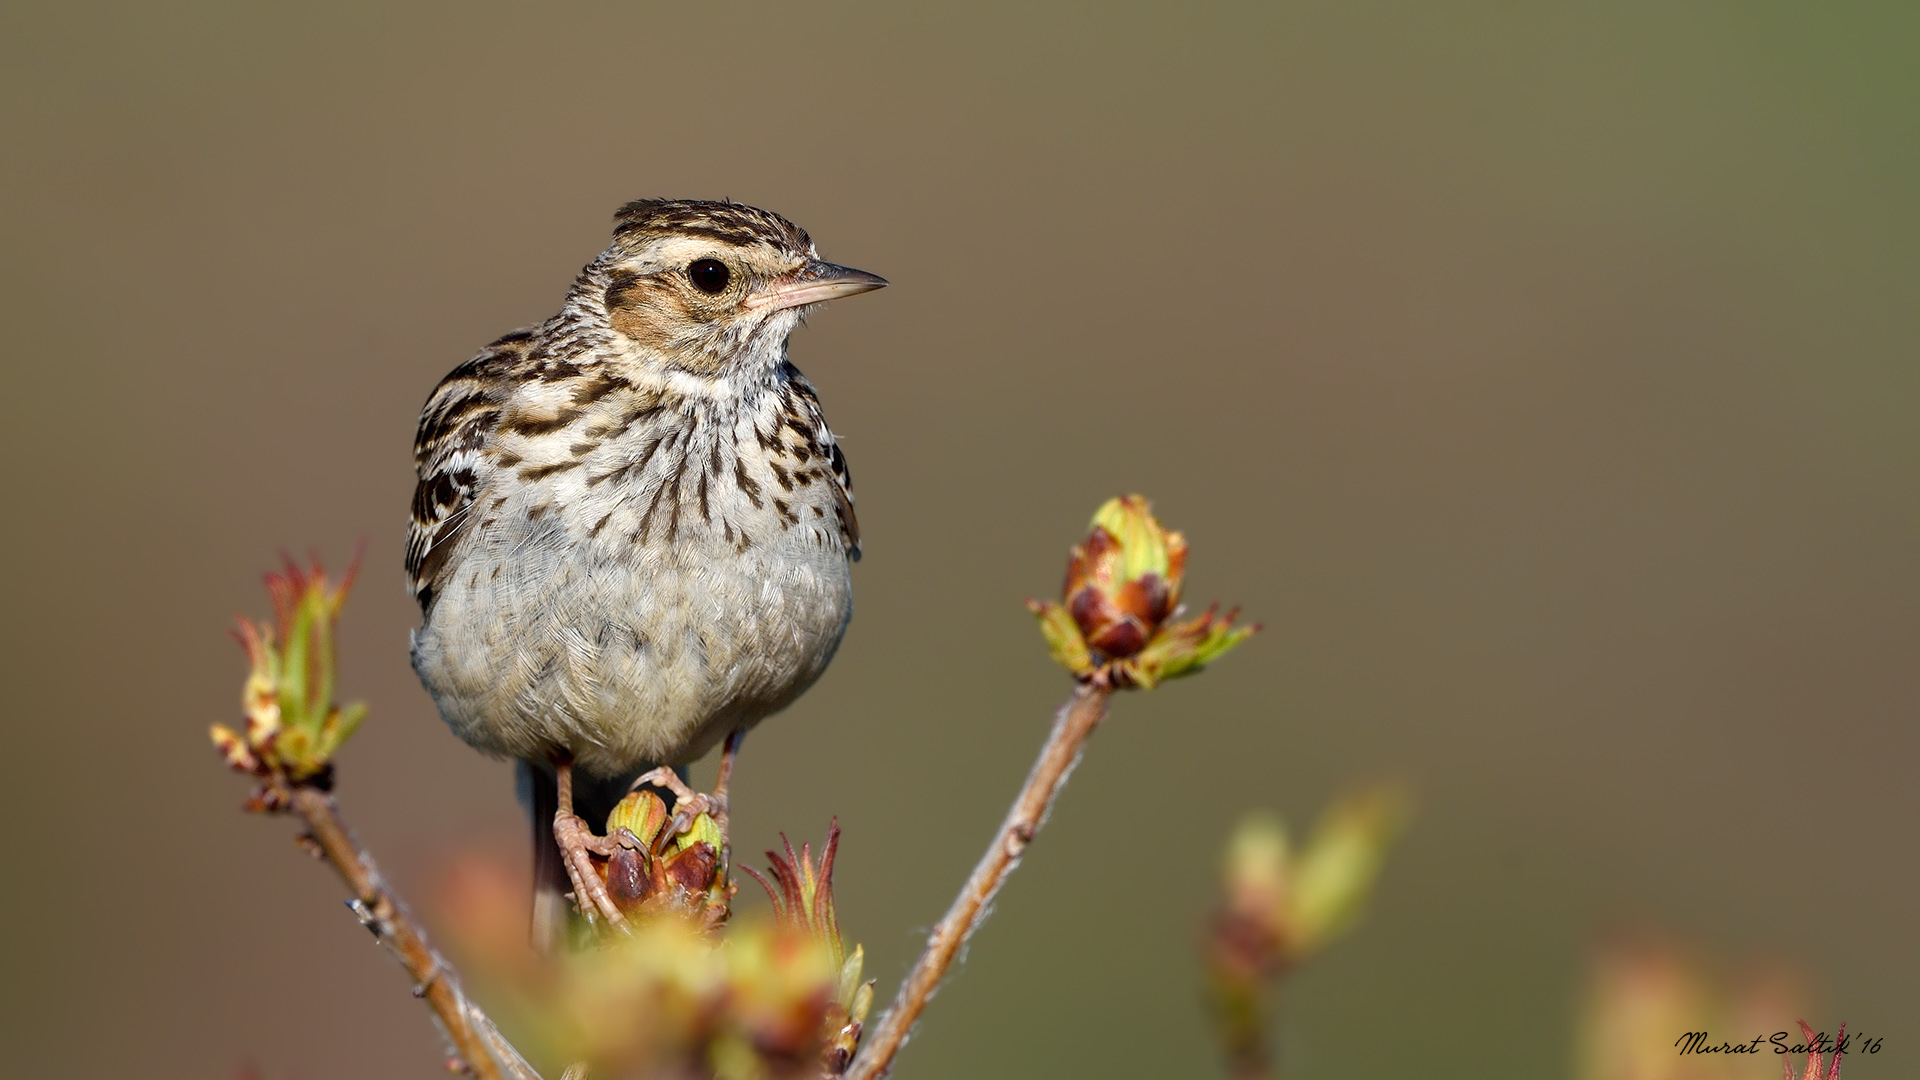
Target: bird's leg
728, 751
578, 845
718, 800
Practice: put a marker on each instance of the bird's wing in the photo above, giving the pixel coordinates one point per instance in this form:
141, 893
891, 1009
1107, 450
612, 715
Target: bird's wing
843, 481
829, 447
447, 456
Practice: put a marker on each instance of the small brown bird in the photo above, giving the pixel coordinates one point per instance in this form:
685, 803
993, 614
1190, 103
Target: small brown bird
632, 532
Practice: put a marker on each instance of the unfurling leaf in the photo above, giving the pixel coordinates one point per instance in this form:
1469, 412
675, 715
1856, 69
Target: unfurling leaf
293, 728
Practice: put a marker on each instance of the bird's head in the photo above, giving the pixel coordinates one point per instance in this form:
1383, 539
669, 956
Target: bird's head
712, 289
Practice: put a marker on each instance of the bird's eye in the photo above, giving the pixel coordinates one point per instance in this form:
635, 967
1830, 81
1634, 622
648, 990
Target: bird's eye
709, 275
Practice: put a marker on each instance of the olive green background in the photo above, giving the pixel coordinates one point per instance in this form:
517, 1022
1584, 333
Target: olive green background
1544, 380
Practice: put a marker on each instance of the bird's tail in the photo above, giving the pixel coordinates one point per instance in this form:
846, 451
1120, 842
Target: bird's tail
541, 794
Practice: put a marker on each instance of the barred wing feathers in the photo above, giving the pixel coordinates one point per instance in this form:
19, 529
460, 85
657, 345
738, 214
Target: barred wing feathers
447, 456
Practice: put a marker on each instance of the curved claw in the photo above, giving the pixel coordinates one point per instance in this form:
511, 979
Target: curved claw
687, 804
663, 777
578, 845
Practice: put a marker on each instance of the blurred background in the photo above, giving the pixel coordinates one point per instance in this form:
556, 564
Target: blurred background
1544, 381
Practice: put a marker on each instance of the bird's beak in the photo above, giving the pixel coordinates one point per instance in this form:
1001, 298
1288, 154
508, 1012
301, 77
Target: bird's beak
816, 283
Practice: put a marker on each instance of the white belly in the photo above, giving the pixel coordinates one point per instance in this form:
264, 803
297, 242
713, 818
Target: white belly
627, 655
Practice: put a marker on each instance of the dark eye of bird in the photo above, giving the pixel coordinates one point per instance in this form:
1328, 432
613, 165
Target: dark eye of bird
709, 275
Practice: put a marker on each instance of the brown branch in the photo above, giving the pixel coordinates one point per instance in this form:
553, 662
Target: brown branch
1245, 958
482, 1050
1071, 727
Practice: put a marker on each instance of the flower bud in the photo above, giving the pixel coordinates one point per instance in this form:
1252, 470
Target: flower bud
848, 990
641, 813
665, 1001
1122, 590
802, 894
1257, 867
650, 871
694, 867
1124, 581
847, 1019
1289, 903
1280, 905
629, 870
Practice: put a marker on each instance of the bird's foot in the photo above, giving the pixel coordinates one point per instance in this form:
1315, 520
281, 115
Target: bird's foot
688, 804
578, 846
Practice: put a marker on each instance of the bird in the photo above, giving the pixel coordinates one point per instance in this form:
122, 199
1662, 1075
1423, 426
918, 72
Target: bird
633, 530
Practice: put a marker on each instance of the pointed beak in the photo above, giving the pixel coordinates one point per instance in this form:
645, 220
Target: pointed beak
816, 283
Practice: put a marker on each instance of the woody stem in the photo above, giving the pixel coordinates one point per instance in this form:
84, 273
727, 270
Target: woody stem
1072, 726
482, 1050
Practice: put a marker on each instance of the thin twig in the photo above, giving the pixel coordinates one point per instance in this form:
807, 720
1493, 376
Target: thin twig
1071, 728
1244, 961
1241, 1023
482, 1050
1253, 1062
